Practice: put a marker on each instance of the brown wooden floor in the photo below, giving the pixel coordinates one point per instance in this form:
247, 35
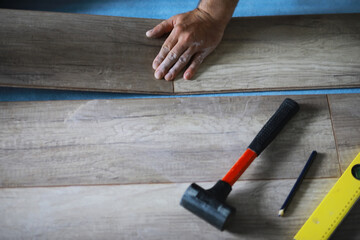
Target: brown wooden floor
102, 53
116, 169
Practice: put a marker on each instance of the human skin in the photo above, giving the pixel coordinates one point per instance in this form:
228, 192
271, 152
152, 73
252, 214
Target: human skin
193, 36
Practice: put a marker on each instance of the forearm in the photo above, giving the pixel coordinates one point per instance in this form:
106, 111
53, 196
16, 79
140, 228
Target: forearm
220, 10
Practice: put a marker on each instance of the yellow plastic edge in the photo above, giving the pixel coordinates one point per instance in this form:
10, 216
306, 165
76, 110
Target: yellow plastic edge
333, 208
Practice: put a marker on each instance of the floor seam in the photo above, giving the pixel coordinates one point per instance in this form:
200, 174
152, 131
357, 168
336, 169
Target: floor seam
160, 183
334, 134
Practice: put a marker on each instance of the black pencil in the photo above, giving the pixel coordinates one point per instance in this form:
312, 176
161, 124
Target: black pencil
297, 183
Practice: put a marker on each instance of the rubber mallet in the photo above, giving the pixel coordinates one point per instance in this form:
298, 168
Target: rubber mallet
210, 204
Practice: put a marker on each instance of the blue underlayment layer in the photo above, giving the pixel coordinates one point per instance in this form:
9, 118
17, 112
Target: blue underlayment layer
162, 9
24, 94
166, 8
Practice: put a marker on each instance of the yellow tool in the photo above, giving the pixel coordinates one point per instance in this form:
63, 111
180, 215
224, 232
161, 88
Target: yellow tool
334, 207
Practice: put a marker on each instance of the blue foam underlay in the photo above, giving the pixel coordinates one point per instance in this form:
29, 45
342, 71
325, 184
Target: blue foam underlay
162, 9
26, 94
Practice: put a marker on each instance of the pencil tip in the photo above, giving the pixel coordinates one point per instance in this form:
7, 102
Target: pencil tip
281, 212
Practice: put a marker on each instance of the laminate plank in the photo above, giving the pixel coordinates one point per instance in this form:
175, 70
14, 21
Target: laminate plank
345, 113
285, 52
157, 140
73, 51
152, 211
102, 53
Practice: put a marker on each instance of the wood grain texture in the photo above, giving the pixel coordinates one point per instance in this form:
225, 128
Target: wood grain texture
345, 112
157, 140
287, 52
73, 51
101, 53
153, 212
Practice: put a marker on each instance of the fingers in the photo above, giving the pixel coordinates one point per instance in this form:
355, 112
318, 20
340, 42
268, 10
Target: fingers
180, 64
159, 30
195, 64
164, 51
171, 58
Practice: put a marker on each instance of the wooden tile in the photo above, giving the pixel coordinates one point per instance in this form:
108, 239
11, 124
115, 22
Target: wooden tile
152, 211
73, 51
345, 111
286, 52
157, 140
102, 53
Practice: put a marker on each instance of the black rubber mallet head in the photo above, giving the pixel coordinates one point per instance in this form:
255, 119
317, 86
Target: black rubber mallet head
210, 204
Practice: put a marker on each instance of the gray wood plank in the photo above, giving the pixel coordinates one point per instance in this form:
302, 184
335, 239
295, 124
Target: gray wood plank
345, 113
101, 53
152, 211
286, 52
157, 140
73, 51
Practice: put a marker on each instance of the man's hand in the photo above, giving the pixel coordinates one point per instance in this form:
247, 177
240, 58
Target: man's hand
194, 35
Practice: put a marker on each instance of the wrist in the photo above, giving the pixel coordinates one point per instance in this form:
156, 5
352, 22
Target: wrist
220, 11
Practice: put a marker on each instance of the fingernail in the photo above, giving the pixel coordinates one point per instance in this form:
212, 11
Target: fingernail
148, 33
168, 77
155, 65
187, 76
158, 74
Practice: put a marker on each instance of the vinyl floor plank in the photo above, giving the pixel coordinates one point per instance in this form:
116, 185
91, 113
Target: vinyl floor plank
157, 140
152, 211
74, 51
284, 52
102, 53
345, 111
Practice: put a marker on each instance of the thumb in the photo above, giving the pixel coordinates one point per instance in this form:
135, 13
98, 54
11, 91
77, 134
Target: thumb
162, 28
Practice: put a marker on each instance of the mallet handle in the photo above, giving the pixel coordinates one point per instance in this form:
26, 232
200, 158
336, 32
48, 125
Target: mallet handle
270, 130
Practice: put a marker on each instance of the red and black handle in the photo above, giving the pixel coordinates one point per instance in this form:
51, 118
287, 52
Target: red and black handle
273, 126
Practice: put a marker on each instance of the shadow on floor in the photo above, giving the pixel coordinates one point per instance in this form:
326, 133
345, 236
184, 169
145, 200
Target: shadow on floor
54, 5
347, 229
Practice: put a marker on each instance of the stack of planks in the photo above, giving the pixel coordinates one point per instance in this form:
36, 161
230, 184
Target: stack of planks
116, 169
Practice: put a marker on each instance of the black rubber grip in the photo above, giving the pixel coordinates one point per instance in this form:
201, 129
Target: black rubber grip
286, 111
